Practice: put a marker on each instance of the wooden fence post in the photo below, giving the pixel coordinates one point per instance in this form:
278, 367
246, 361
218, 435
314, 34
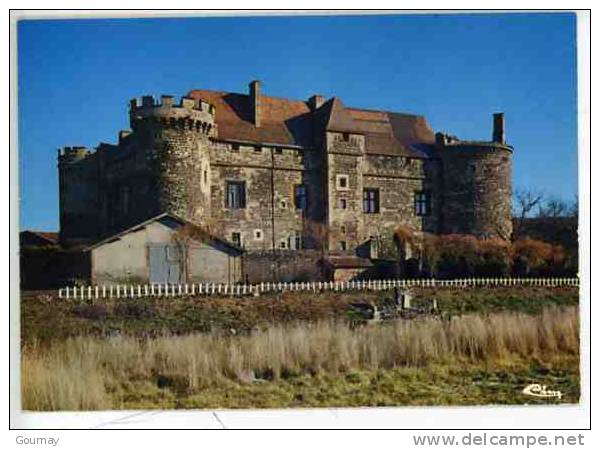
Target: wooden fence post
130, 291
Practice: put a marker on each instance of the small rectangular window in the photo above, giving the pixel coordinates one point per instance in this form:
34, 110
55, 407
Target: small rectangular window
343, 204
236, 195
236, 238
342, 182
235, 147
258, 149
278, 151
295, 241
343, 245
422, 203
300, 200
371, 201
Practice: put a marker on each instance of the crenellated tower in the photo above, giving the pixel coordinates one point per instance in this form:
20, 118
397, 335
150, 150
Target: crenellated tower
161, 165
175, 141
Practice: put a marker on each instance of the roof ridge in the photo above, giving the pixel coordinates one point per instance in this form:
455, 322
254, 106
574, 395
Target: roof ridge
334, 97
143, 223
384, 111
292, 121
247, 95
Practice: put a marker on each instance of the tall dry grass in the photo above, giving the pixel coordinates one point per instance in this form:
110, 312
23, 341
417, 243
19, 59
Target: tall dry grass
81, 373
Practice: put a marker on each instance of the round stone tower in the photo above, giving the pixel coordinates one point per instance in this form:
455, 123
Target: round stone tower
476, 184
176, 143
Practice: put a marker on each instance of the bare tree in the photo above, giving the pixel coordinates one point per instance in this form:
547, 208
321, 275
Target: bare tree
559, 220
553, 208
524, 203
573, 211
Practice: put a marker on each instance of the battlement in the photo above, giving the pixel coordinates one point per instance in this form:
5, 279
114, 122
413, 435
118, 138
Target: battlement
191, 114
73, 154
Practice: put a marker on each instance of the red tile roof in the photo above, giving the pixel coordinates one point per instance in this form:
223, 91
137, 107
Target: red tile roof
283, 121
291, 122
392, 132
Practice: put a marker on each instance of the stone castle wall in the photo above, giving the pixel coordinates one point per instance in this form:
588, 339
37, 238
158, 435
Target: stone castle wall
174, 161
344, 165
398, 178
78, 193
177, 153
158, 167
282, 266
476, 191
270, 174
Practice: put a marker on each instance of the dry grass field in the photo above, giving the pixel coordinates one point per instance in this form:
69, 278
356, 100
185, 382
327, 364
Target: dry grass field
474, 358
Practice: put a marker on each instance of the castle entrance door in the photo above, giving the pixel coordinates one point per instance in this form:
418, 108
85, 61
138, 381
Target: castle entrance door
165, 263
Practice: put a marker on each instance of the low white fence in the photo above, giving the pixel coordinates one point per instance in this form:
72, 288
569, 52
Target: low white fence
211, 289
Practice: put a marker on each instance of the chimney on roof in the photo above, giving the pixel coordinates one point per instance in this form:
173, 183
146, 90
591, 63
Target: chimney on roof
254, 95
315, 102
499, 135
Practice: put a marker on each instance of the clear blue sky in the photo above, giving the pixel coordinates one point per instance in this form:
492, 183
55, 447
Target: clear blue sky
76, 77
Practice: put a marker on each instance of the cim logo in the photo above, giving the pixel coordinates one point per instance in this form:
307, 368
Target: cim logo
541, 391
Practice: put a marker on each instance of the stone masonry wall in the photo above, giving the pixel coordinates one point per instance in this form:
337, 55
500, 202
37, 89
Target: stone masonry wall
281, 266
270, 175
180, 159
173, 161
477, 190
127, 182
344, 160
78, 190
398, 178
